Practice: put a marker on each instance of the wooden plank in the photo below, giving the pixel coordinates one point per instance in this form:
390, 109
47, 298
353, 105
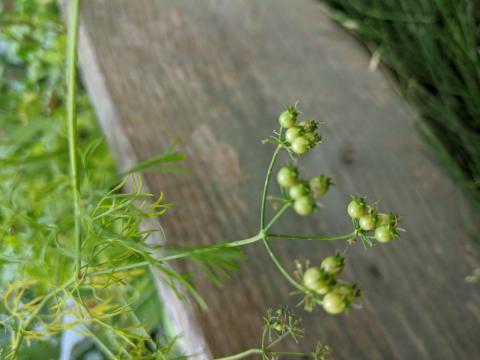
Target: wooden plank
216, 73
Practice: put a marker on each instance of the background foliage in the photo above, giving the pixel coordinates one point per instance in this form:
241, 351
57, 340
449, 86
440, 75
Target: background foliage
432, 50
35, 194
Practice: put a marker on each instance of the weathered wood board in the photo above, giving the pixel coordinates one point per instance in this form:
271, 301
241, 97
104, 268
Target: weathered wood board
216, 74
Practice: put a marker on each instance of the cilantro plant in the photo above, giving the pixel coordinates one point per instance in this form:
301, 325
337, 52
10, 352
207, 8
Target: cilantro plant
73, 254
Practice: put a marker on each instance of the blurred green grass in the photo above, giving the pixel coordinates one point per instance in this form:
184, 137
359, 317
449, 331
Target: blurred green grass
431, 48
34, 191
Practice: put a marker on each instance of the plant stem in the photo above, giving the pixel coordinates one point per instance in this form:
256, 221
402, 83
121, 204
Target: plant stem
278, 340
290, 353
242, 355
214, 247
19, 339
262, 235
109, 271
71, 108
274, 219
72, 124
280, 266
101, 345
313, 238
277, 216
249, 352
180, 255
265, 187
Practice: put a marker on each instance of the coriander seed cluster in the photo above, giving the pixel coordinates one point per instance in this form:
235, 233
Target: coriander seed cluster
322, 280
320, 284
302, 192
300, 138
367, 220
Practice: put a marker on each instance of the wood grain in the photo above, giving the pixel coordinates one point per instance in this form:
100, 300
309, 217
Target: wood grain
216, 74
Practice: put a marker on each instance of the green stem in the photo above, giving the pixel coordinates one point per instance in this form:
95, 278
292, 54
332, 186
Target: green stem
214, 247
290, 353
249, 352
19, 339
101, 345
277, 216
313, 238
264, 334
109, 271
181, 255
72, 123
274, 219
280, 266
265, 186
71, 76
242, 355
278, 340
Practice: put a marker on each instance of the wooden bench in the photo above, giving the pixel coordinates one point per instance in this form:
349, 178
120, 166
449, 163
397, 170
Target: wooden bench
216, 74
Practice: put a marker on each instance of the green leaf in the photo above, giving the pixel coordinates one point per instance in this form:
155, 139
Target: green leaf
156, 163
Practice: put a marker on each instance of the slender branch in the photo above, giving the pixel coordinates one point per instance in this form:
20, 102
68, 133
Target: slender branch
232, 244
110, 271
277, 216
72, 123
278, 340
265, 186
290, 353
17, 343
180, 255
214, 247
274, 219
313, 238
280, 266
71, 109
254, 351
102, 346
264, 334
249, 352
242, 355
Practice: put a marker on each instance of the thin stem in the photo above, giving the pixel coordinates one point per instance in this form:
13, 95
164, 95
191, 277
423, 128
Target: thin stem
264, 333
254, 351
274, 219
72, 124
214, 247
289, 353
181, 255
242, 355
313, 238
280, 266
109, 271
265, 186
102, 346
249, 352
71, 109
277, 340
277, 216
19, 339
